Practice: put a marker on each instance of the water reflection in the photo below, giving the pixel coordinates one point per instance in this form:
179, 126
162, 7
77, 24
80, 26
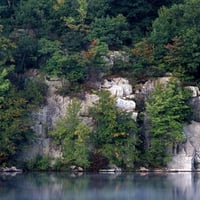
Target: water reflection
63, 186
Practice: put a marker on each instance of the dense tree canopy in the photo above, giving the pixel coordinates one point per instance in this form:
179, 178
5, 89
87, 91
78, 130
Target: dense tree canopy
173, 44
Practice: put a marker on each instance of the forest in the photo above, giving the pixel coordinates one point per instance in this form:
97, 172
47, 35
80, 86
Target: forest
70, 40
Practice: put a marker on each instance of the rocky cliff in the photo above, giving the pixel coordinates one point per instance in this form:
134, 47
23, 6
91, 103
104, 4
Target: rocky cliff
187, 155
44, 120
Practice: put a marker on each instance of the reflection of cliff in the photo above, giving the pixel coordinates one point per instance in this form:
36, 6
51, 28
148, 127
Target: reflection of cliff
64, 186
185, 185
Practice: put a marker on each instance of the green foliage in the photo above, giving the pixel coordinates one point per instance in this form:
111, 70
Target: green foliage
35, 92
145, 65
113, 31
105, 115
73, 136
4, 84
98, 8
167, 110
75, 40
175, 37
6, 47
53, 56
94, 59
57, 63
77, 22
123, 62
15, 131
35, 15
115, 135
60, 165
41, 163
139, 13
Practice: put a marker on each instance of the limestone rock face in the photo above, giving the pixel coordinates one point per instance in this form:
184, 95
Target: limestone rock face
195, 105
192, 132
150, 85
90, 100
186, 158
183, 161
116, 91
189, 156
127, 105
118, 87
122, 90
44, 120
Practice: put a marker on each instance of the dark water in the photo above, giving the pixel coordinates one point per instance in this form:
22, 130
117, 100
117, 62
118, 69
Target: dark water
125, 186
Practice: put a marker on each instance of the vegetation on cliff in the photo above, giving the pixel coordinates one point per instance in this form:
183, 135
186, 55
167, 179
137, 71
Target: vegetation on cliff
72, 40
167, 109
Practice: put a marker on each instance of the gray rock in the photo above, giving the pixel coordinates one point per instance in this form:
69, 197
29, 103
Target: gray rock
90, 100
134, 116
116, 91
118, 87
195, 106
189, 156
126, 105
10, 169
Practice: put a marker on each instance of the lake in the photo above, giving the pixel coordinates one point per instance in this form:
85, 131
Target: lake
125, 186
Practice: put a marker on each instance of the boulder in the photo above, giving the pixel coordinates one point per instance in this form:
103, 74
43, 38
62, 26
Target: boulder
75, 168
111, 169
116, 91
118, 87
143, 169
126, 105
10, 169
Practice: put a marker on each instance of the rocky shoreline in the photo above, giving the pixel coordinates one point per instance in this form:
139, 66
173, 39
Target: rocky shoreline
10, 169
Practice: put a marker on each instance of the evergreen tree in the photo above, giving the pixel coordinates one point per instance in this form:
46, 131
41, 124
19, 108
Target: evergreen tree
167, 110
116, 134
173, 44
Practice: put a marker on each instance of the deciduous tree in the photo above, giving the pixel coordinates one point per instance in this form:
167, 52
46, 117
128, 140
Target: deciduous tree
73, 136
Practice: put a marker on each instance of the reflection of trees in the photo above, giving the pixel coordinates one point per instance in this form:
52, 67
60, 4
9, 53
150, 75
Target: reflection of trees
48, 186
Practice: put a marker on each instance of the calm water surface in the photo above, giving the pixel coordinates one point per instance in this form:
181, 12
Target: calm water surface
125, 186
